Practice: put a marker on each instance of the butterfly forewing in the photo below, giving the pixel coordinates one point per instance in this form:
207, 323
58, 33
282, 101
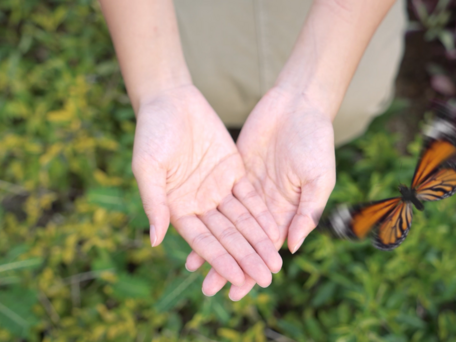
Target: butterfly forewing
435, 154
395, 227
359, 221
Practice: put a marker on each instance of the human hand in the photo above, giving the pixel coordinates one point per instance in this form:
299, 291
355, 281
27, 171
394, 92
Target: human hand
287, 145
189, 171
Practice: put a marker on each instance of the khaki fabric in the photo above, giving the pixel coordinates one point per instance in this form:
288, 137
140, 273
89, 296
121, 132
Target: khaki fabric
235, 50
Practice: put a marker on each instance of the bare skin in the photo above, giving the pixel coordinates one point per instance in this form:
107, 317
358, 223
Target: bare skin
287, 143
189, 170
291, 165
235, 206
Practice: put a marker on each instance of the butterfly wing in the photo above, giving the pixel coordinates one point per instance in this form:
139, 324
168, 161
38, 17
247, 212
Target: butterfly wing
394, 228
439, 146
439, 185
443, 126
359, 221
434, 178
435, 154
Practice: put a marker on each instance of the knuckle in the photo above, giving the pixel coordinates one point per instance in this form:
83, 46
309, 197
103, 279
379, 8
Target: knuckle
148, 206
212, 213
229, 234
264, 214
202, 239
218, 258
243, 218
265, 241
152, 206
248, 258
249, 195
227, 201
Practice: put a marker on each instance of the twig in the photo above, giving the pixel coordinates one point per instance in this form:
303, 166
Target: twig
52, 312
75, 294
80, 277
140, 337
275, 336
13, 188
202, 337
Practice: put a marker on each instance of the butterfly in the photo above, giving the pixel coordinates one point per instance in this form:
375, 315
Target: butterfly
434, 179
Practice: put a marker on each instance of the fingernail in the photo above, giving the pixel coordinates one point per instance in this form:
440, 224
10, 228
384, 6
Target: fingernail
298, 245
186, 267
204, 293
153, 236
234, 300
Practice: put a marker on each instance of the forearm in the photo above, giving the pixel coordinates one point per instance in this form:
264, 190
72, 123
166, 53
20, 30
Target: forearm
147, 44
329, 48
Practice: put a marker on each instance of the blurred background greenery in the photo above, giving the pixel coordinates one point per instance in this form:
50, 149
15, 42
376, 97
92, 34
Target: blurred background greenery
75, 258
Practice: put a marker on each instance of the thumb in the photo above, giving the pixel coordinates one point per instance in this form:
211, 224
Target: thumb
152, 188
311, 205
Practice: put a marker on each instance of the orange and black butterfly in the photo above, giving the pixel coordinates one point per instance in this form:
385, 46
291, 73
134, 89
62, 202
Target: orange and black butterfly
434, 179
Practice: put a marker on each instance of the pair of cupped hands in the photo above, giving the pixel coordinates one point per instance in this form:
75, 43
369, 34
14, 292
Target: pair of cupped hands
235, 204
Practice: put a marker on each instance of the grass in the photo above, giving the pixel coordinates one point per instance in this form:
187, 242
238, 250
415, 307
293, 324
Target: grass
75, 259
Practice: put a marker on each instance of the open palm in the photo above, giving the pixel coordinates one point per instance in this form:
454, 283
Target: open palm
288, 149
189, 171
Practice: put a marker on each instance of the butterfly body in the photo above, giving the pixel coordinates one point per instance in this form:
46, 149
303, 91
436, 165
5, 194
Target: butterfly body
434, 179
409, 196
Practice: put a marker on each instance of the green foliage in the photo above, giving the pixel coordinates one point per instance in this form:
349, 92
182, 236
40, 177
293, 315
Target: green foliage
75, 259
436, 18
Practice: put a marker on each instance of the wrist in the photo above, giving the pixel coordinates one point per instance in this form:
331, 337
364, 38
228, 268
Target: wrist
328, 50
305, 96
153, 85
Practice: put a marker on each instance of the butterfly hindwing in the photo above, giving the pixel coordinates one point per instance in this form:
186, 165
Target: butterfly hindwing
439, 185
394, 228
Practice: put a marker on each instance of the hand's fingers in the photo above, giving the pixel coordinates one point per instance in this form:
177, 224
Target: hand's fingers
213, 283
194, 261
239, 292
247, 195
250, 229
312, 203
151, 183
203, 242
237, 246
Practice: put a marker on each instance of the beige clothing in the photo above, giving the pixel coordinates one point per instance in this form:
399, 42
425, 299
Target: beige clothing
235, 50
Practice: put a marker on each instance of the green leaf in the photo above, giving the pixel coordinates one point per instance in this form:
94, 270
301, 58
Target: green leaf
290, 328
109, 198
411, 320
324, 294
175, 292
447, 39
16, 314
128, 286
176, 248
29, 263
